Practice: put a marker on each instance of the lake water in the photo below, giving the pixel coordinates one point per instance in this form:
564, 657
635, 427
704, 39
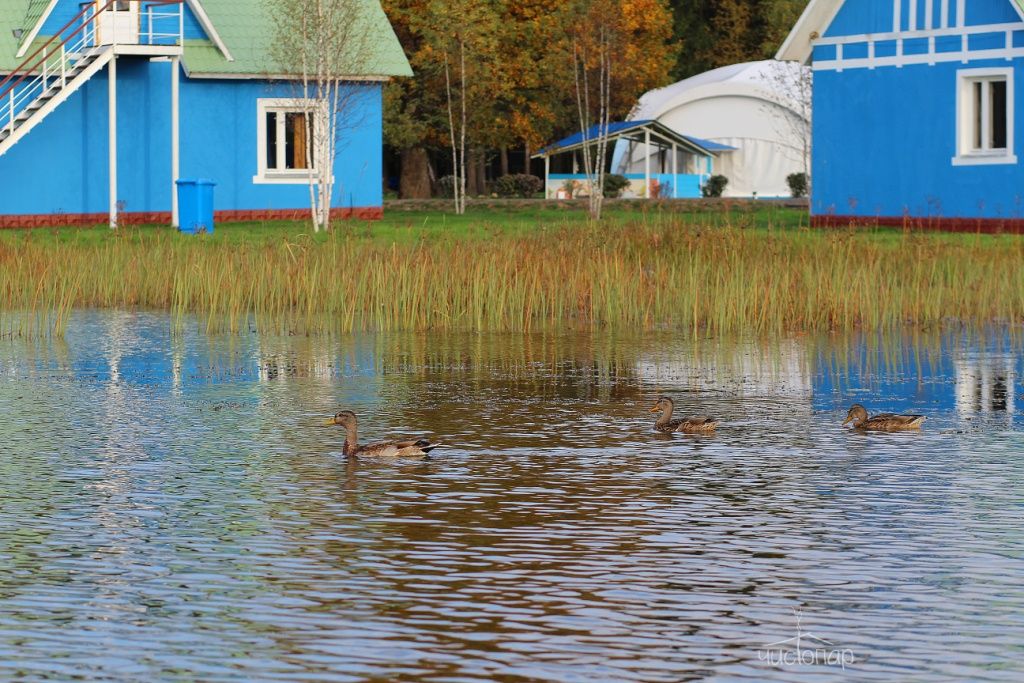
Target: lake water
173, 509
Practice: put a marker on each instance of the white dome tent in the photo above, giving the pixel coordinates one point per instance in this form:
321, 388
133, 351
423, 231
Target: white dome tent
760, 108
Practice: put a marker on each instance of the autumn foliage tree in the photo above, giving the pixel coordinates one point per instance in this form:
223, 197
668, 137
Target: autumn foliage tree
616, 55
519, 82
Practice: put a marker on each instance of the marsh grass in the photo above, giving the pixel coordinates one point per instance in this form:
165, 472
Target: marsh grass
640, 273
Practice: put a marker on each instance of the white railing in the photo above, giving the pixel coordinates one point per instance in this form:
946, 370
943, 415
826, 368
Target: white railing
49, 75
164, 26
53, 76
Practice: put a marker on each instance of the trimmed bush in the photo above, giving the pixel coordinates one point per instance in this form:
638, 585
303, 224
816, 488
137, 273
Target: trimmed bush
715, 186
797, 184
517, 185
614, 184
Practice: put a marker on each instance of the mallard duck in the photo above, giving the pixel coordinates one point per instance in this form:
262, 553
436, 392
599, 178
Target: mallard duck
883, 422
348, 420
689, 425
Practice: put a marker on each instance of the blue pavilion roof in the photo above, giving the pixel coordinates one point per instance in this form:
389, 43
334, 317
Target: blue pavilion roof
620, 129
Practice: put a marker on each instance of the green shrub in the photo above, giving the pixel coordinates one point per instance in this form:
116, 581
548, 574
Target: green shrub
446, 186
517, 185
797, 184
715, 186
614, 184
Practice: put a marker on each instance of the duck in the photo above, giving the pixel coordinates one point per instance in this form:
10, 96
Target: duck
688, 425
883, 422
352, 449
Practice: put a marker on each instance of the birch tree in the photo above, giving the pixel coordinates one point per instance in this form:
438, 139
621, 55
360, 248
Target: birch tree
462, 34
790, 86
322, 47
592, 71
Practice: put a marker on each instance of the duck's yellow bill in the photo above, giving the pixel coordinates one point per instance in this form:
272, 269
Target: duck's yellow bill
329, 423
655, 409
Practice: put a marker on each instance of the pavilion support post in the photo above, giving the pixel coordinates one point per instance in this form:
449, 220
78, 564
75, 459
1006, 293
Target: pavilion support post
112, 137
647, 163
547, 174
675, 172
175, 139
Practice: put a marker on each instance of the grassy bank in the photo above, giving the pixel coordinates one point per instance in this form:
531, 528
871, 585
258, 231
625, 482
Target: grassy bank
723, 271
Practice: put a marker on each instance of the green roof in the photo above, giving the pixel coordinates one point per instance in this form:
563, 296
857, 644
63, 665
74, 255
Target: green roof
243, 26
12, 16
247, 32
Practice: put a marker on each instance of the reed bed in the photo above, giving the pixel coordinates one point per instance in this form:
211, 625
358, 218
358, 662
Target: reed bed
646, 274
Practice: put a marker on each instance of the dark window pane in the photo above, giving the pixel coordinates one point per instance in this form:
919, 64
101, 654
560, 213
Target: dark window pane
271, 140
997, 107
289, 146
977, 115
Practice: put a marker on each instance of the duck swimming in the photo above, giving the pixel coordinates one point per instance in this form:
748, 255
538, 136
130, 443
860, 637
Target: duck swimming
883, 422
688, 425
348, 420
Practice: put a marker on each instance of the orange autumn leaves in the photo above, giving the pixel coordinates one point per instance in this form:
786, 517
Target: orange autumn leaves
519, 65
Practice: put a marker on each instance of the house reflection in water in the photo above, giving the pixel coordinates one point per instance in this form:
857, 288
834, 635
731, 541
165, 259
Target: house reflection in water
986, 384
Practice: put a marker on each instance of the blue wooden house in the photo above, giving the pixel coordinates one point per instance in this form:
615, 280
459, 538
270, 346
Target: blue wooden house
105, 104
914, 111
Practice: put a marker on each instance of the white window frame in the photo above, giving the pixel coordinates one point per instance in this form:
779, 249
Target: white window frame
283, 176
966, 154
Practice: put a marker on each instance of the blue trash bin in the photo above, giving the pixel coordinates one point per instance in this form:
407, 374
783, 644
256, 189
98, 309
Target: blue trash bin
195, 205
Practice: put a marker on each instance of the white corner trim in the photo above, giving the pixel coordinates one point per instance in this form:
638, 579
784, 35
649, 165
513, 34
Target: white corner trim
812, 24
35, 29
204, 20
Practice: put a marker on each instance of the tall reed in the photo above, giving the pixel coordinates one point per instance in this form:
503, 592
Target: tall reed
642, 274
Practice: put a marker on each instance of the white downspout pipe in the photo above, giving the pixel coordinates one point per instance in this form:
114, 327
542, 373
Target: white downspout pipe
175, 139
112, 135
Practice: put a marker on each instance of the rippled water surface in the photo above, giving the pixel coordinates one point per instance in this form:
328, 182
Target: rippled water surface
173, 509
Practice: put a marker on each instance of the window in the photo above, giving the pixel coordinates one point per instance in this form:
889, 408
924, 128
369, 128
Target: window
985, 117
285, 142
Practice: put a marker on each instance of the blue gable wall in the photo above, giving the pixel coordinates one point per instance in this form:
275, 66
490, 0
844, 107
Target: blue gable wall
856, 17
982, 12
884, 138
860, 16
67, 152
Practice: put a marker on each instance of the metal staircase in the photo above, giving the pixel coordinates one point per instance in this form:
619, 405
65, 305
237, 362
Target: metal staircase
49, 94
62, 64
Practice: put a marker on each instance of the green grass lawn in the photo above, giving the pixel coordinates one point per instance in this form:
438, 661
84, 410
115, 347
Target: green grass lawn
435, 221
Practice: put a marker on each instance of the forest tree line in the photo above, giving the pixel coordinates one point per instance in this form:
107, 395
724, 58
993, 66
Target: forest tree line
512, 62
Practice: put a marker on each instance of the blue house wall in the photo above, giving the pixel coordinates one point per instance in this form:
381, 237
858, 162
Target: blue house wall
885, 133
61, 166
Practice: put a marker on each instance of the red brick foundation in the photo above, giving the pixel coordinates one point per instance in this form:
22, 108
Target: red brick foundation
978, 225
48, 220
